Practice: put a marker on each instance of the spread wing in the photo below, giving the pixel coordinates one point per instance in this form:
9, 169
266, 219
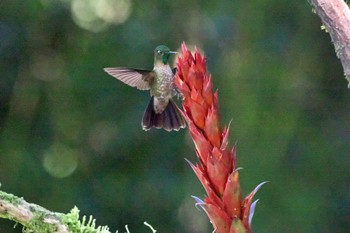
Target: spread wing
141, 79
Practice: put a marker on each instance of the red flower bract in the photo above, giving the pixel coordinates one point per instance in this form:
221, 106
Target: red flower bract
217, 163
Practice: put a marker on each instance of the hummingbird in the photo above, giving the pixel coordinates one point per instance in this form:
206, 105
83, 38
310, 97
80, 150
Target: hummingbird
161, 111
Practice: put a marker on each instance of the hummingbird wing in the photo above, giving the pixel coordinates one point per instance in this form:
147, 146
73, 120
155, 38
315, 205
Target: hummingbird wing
141, 79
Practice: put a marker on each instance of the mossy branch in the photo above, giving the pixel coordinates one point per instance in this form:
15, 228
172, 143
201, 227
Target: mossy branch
335, 16
35, 218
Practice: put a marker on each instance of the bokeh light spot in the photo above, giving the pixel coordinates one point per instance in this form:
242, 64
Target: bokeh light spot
103, 134
113, 11
60, 160
84, 16
97, 15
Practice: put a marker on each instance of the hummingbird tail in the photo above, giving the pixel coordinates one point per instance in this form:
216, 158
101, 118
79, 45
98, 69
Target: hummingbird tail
170, 119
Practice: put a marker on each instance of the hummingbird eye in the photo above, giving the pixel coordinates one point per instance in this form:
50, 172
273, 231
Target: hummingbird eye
159, 52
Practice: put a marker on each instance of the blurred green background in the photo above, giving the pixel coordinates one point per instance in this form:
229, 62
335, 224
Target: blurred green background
71, 135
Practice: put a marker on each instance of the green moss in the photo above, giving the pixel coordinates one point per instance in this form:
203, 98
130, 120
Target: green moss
10, 198
84, 226
37, 224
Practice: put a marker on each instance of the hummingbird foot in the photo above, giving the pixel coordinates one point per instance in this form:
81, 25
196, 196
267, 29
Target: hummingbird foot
178, 94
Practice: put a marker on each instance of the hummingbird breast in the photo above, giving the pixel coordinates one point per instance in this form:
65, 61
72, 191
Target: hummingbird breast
163, 87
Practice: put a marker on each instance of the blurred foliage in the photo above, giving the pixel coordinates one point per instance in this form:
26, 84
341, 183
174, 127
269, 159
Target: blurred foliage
71, 135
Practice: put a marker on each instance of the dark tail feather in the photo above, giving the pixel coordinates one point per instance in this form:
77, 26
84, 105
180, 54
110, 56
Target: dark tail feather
170, 119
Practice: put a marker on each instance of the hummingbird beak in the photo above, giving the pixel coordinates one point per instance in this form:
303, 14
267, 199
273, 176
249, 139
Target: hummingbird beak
172, 52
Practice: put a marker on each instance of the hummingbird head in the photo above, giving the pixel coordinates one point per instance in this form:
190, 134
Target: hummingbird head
162, 54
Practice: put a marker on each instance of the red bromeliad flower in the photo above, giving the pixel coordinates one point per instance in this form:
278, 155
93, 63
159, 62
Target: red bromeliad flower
217, 169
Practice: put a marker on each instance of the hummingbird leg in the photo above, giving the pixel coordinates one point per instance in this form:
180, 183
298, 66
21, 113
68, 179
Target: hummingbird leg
178, 94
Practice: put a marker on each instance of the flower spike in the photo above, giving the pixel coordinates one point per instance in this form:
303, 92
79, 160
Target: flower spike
216, 170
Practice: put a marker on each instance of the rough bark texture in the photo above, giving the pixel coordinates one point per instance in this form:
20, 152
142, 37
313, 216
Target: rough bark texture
30, 215
335, 16
37, 219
